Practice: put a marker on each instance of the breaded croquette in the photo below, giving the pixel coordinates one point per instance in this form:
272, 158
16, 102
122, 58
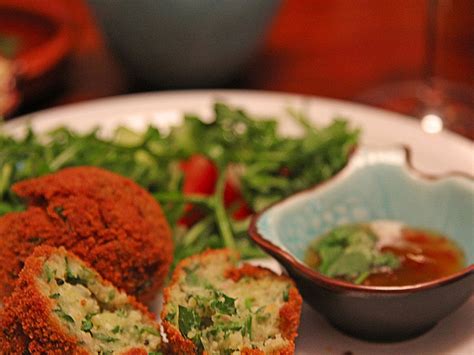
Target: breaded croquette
212, 306
65, 307
104, 218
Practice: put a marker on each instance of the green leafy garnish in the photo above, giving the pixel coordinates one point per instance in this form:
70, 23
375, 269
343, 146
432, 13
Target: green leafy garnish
226, 327
104, 337
350, 252
247, 328
116, 329
262, 316
188, 319
286, 294
223, 303
54, 296
71, 278
86, 324
150, 330
248, 302
122, 313
61, 314
170, 316
111, 295
48, 275
267, 165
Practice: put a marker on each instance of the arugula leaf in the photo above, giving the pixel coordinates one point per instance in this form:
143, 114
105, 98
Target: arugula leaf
270, 166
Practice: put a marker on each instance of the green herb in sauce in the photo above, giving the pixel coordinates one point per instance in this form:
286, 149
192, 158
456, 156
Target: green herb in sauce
349, 252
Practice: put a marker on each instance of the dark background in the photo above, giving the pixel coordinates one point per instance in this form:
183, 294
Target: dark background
336, 48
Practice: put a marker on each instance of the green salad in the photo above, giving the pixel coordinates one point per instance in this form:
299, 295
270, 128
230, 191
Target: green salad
209, 177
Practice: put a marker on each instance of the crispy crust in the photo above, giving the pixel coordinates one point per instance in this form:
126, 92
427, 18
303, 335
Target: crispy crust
13, 340
34, 310
178, 344
289, 313
102, 217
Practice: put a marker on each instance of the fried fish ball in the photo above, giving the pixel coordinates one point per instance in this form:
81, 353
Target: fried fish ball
213, 306
65, 307
104, 218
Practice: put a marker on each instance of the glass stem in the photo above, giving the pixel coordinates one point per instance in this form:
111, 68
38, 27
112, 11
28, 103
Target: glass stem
431, 38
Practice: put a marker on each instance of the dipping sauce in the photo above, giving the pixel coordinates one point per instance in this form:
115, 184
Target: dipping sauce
384, 253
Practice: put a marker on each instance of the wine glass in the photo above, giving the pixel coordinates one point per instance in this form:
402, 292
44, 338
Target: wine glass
437, 102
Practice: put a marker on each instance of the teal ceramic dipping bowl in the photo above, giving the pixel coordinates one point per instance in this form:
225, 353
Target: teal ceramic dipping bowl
377, 184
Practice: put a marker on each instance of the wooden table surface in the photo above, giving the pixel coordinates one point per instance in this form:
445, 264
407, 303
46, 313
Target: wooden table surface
337, 48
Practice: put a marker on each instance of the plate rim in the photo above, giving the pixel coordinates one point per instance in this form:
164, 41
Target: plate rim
21, 121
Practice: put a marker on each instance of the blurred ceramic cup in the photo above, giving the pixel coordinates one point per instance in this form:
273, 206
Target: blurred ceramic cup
184, 43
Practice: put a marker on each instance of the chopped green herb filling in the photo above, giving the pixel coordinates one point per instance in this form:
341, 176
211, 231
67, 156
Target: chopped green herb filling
63, 315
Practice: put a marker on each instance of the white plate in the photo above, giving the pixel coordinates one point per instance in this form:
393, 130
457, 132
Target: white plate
432, 153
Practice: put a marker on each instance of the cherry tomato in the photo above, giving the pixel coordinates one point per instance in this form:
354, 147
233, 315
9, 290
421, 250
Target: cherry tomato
200, 178
233, 199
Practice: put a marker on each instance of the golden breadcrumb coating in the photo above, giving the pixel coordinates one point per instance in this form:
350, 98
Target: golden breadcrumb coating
289, 313
35, 327
105, 219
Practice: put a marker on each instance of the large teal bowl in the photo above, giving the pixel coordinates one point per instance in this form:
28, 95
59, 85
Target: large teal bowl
376, 184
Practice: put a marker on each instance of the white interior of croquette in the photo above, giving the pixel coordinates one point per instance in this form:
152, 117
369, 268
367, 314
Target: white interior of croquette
222, 316
99, 316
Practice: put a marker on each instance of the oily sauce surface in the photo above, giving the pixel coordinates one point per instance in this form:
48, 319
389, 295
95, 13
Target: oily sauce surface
424, 257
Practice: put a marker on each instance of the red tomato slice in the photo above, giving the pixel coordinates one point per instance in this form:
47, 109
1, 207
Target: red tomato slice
233, 199
200, 178
200, 175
